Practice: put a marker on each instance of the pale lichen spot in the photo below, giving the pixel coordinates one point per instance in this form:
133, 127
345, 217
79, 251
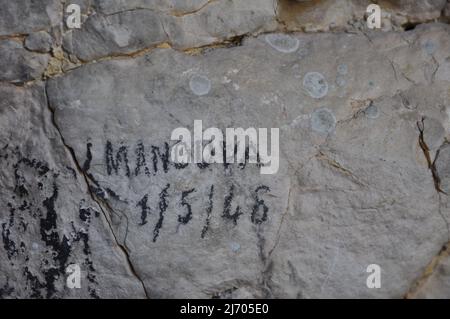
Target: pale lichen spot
341, 81
235, 247
430, 47
372, 111
342, 69
323, 121
200, 85
315, 84
283, 42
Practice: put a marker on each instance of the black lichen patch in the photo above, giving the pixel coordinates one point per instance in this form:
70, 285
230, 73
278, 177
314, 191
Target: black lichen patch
34, 201
6, 290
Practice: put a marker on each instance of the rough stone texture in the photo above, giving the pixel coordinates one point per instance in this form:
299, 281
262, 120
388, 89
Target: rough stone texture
364, 119
176, 7
48, 218
437, 285
117, 34
19, 65
26, 16
329, 15
39, 41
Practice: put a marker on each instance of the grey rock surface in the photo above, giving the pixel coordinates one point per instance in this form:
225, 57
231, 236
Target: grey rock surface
86, 177
19, 65
39, 41
25, 16
49, 221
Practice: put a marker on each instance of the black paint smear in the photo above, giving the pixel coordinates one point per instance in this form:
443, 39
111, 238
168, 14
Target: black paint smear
87, 162
208, 212
85, 214
180, 165
202, 165
34, 283
24, 206
224, 154
114, 164
49, 234
145, 210
98, 191
19, 187
114, 195
140, 160
8, 244
164, 157
185, 219
93, 293
6, 290
162, 208
227, 207
259, 203
246, 157
41, 167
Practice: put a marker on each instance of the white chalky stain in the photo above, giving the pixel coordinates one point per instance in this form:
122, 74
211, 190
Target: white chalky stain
121, 36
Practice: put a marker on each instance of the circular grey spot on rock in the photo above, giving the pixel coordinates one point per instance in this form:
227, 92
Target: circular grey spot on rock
302, 52
323, 121
283, 42
372, 111
235, 247
200, 85
342, 69
340, 81
315, 84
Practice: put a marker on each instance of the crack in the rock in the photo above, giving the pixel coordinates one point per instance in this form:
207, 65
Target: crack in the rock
444, 252
162, 12
93, 196
175, 14
426, 151
278, 235
334, 164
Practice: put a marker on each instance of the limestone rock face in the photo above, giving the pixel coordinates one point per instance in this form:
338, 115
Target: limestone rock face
18, 65
49, 221
25, 16
87, 178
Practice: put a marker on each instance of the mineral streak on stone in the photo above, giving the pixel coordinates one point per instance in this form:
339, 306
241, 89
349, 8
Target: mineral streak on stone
86, 175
